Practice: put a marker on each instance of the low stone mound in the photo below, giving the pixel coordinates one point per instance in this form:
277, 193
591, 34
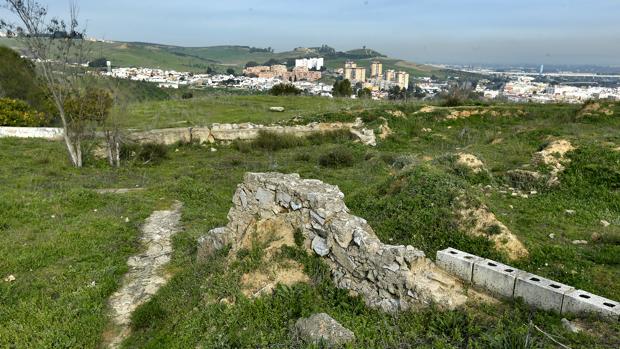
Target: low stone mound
384, 130
480, 221
272, 235
470, 161
554, 156
596, 109
466, 113
396, 113
386, 276
427, 109
322, 329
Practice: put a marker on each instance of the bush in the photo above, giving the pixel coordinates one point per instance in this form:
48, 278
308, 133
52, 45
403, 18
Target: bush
285, 90
15, 112
187, 95
334, 136
338, 157
276, 141
149, 153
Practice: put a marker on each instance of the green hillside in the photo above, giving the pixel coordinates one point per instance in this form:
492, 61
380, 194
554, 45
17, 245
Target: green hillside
198, 59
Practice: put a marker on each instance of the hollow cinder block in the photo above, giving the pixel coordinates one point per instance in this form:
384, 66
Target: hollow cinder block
540, 292
457, 262
495, 277
581, 302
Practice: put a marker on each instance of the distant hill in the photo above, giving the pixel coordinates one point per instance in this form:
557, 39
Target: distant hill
199, 59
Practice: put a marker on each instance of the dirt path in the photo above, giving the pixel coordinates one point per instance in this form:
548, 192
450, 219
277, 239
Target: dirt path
146, 273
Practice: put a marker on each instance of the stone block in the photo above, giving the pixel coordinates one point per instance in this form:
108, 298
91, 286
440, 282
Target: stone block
457, 262
540, 292
581, 302
497, 278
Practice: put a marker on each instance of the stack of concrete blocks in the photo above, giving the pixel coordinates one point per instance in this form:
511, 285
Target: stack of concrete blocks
507, 282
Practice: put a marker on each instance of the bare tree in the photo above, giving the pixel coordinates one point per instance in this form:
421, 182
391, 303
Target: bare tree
58, 49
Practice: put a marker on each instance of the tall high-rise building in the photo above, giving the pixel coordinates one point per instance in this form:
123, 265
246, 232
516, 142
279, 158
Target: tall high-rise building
349, 70
402, 79
360, 74
390, 75
376, 70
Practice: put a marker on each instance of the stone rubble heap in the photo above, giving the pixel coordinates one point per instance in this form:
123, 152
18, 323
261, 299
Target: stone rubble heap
388, 277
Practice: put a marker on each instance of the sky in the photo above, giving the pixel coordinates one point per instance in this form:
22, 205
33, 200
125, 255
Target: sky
424, 31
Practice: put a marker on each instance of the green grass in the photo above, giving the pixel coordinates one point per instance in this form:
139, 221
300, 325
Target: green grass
403, 187
201, 111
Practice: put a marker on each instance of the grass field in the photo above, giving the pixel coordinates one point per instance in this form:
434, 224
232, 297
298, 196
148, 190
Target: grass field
231, 109
67, 246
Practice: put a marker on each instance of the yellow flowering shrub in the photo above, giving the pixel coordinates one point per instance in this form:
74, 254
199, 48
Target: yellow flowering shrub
14, 112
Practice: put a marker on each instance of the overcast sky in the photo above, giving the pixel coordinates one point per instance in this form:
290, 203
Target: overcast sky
448, 31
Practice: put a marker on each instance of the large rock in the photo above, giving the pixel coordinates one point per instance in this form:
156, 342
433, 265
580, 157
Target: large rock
387, 277
323, 329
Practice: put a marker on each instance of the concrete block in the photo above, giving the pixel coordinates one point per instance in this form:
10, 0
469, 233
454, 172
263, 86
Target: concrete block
540, 292
497, 278
457, 262
581, 302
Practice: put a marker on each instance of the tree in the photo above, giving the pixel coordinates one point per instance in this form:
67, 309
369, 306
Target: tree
251, 64
364, 93
210, 70
285, 90
342, 88
84, 111
58, 58
397, 93
101, 62
230, 71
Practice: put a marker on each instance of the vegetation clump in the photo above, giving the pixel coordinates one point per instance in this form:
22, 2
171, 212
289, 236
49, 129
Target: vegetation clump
337, 157
276, 141
15, 112
285, 90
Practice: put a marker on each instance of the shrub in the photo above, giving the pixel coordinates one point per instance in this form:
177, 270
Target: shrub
149, 153
285, 90
303, 157
334, 136
187, 95
147, 314
14, 112
338, 157
276, 141
242, 146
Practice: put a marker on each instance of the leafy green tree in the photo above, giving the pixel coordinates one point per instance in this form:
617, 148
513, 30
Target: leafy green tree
364, 93
101, 62
251, 64
230, 71
342, 88
285, 90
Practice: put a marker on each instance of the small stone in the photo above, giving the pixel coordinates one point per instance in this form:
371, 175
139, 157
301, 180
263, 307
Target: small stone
552, 236
319, 245
53, 216
92, 284
9, 278
569, 212
605, 223
323, 329
580, 242
511, 207
596, 237
95, 210
213, 150
570, 326
126, 219
533, 192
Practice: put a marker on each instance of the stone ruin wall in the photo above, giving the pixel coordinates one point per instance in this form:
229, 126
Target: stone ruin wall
388, 277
